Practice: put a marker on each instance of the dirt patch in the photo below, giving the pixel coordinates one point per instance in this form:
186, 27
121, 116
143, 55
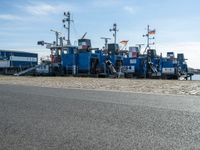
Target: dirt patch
127, 85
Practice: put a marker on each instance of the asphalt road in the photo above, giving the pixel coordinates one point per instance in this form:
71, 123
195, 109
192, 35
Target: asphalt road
49, 119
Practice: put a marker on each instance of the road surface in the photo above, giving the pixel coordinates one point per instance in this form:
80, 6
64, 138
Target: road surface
35, 118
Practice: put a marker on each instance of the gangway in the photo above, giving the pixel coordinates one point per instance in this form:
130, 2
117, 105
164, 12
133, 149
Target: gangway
27, 70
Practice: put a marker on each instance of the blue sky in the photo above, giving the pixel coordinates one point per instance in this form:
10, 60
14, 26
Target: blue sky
177, 22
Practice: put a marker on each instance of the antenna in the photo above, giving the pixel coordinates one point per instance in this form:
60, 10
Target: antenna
115, 32
68, 20
106, 41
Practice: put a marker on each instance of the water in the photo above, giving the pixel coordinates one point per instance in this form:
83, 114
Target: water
196, 77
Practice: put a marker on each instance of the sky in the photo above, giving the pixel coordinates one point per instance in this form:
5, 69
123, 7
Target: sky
177, 23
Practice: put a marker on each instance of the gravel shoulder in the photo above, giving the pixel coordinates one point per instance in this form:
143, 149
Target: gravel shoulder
173, 87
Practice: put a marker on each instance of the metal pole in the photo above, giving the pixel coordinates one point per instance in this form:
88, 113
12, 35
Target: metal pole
56, 38
148, 36
115, 32
115, 29
68, 39
68, 20
106, 41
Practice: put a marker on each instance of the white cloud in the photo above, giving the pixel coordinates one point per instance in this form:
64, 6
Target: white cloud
9, 17
41, 9
38, 8
130, 9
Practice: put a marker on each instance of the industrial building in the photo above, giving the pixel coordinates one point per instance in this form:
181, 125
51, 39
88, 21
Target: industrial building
15, 61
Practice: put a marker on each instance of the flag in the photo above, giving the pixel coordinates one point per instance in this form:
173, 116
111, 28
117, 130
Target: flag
151, 32
124, 42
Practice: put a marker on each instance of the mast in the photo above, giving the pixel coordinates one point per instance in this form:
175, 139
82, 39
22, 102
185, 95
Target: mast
68, 20
115, 32
148, 37
149, 33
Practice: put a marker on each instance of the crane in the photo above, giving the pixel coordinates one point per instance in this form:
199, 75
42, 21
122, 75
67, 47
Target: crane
106, 41
57, 35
